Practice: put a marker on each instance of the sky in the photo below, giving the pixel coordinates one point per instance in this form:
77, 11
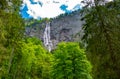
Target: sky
48, 8
38, 9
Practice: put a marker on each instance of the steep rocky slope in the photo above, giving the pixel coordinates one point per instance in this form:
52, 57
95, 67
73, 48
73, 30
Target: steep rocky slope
63, 28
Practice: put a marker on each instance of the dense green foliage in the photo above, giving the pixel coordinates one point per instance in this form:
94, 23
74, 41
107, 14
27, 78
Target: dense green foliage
102, 38
26, 58
70, 62
23, 57
33, 61
11, 32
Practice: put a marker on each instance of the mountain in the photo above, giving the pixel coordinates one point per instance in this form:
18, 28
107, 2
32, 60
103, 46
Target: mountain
66, 27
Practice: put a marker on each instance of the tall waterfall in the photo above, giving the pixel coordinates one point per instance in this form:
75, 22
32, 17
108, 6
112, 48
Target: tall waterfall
46, 37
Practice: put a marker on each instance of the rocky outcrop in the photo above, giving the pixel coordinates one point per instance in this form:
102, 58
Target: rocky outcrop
64, 28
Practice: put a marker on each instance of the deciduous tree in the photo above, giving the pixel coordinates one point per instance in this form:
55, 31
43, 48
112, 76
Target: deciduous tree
70, 62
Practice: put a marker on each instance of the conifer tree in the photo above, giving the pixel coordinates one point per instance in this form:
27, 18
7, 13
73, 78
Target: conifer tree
101, 35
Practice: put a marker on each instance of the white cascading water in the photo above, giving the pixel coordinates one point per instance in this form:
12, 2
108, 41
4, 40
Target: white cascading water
46, 37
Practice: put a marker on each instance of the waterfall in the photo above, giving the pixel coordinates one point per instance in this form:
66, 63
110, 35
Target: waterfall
46, 37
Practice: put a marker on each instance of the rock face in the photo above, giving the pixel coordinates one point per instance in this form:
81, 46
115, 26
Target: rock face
64, 28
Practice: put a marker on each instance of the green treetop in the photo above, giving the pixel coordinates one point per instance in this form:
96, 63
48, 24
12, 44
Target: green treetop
70, 62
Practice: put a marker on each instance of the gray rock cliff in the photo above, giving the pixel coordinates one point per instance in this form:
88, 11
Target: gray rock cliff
63, 28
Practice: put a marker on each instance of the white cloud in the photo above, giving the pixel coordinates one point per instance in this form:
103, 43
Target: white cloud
49, 8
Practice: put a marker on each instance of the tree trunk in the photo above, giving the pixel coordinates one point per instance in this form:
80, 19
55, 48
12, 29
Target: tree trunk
11, 58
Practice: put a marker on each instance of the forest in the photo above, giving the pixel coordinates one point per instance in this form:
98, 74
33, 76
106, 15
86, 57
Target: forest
97, 56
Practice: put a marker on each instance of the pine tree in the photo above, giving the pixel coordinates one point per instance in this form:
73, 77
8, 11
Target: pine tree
101, 35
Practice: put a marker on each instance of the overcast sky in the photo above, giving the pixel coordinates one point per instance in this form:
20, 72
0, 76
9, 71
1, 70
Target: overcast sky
48, 8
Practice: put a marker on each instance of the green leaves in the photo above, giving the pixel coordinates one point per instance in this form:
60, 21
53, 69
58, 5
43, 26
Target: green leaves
31, 60
11, 33
70, 62
35, 60
101, 33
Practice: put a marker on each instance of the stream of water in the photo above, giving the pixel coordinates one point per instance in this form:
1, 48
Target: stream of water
46, 37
